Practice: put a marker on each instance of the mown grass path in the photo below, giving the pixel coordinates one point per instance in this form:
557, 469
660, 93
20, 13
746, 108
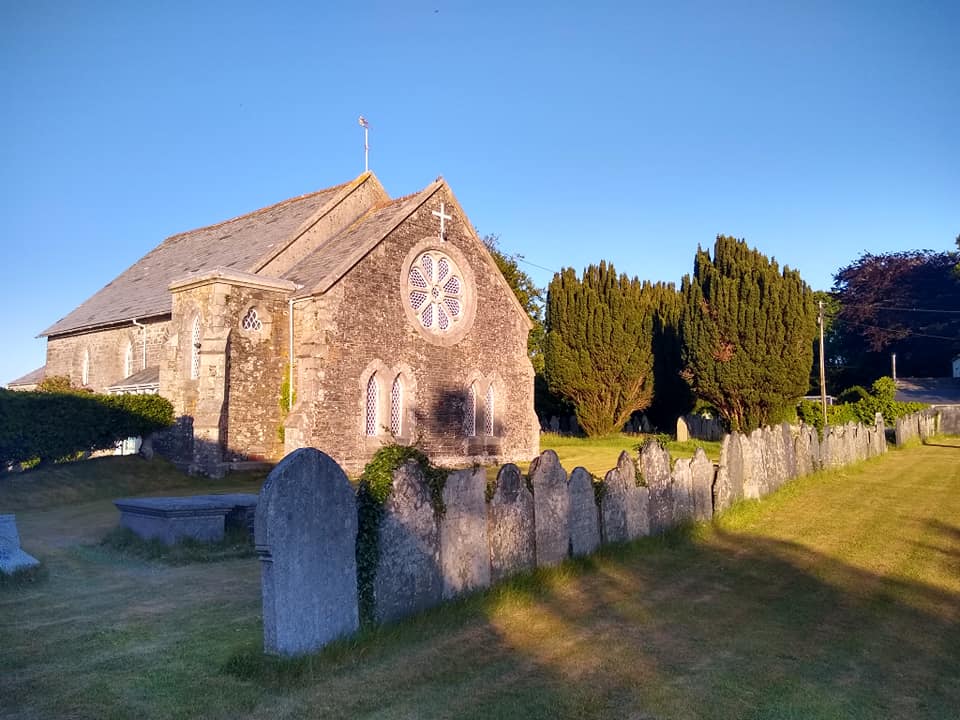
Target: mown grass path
838, 597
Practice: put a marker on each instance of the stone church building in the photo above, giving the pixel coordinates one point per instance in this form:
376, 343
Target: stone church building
342, 320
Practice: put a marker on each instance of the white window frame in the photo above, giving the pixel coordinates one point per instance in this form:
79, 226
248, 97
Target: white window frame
396, 406
371, 417
195, 349
488, 420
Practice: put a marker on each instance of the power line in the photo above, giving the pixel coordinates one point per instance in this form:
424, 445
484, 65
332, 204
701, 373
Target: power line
909, 333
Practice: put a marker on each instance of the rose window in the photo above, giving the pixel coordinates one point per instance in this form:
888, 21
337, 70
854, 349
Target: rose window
436, 291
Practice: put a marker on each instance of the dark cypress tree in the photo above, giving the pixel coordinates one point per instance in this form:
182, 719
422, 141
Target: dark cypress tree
672, 396
747, 332
598, 349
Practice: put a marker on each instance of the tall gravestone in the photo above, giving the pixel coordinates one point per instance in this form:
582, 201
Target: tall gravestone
681, 481
510, 526
701, 478
306, 532
802, 451
728, 486
408, 577
464, 549
584, 514
683, 433
12, 558
789, 451
655, 468
551, 509
623, 508
754, 471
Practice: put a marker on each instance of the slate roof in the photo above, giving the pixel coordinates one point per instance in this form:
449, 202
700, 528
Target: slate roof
328, 263
34, 377
934, 391
147, 376
143, 289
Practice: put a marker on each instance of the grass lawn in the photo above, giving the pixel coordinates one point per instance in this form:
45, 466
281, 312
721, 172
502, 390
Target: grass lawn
838, 597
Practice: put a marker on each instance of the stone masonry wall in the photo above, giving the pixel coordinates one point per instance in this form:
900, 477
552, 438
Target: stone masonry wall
428, 556
360, 327
107, 350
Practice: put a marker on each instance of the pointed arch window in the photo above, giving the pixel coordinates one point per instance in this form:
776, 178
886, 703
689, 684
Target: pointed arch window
85, 368
472, 410
488, 414
372, 406
396, 406
195, 349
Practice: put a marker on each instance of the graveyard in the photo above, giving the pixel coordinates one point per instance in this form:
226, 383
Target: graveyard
836, 595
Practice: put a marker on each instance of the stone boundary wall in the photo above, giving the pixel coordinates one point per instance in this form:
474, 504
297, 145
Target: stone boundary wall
921, 426
306, 524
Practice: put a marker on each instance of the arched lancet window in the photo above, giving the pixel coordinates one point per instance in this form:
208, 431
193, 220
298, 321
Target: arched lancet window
195, 349
372, 406
488, 415
85, 368
396, 407
472, 410
128, 360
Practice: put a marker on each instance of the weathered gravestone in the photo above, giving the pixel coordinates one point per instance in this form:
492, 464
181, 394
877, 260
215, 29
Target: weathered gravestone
655, 468
306, 531
408, 577
728, 485
584, 514
789, 451
683, 434
551, 509
623, 508
464, 550
754, 470
681, 481
701, 479
12, 557
803, 452
510, 526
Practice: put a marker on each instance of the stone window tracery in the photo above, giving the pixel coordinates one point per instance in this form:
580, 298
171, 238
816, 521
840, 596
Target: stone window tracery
436, 291
251, 321
471, 419
372, 406
195, 349
396, 407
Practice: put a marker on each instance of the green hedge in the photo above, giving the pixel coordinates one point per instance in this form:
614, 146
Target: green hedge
55, 425
879, 400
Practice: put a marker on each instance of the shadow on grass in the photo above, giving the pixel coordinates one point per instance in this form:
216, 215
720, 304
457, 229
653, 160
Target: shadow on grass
700, 622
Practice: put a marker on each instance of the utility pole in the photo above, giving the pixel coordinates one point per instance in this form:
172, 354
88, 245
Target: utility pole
823, 373
893, 365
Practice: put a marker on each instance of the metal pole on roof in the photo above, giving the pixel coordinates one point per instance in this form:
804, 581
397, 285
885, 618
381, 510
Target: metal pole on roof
366, 143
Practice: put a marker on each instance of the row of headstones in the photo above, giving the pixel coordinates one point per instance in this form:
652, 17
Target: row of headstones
699, 428
567, 424
916, 426
757, 464
948, 419
306, 533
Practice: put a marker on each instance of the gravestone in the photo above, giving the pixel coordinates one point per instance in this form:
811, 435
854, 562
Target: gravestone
754, 470
551, 509
408, 577
510, 526
802, 451
464, 550
554, 424
728, 485
584, 514
701, 478
681, 480
306, 531
815, 450
574, 425
12, 557
655, 468
683, 434
624, 506
789, 451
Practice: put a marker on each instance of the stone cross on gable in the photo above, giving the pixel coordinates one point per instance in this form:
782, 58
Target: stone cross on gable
443, 216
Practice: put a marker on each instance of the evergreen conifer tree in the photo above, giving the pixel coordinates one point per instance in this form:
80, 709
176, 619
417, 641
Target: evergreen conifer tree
598, 349
747, 332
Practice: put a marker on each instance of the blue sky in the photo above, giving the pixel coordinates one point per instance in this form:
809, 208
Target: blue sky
577, 132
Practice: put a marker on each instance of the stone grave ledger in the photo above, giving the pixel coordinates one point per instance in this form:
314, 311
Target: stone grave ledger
198, 517
12, 557
306, 530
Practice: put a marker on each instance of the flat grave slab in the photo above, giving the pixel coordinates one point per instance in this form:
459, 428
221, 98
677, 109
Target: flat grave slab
197, 517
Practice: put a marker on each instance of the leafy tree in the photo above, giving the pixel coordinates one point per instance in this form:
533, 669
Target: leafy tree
529, 295
598, 350
906, 303
747, 333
